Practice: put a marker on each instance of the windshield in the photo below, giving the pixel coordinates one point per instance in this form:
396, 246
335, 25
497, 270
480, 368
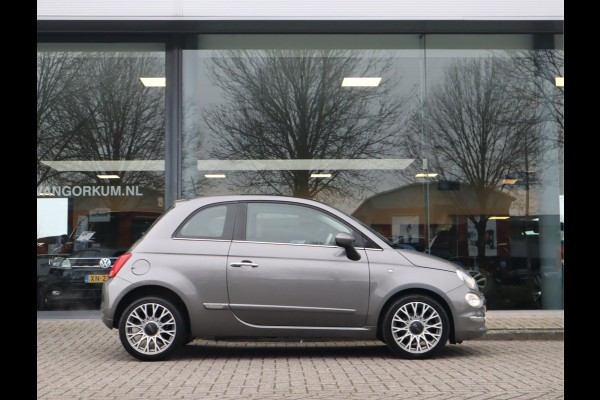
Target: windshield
373, 231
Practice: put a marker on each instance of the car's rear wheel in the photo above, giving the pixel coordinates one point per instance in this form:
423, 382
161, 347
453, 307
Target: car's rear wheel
151, 328
415, 326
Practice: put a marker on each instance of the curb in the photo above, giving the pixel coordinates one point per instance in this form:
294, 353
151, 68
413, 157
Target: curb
526, 334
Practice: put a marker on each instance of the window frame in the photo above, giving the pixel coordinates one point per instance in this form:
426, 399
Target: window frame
239, 234
230, 217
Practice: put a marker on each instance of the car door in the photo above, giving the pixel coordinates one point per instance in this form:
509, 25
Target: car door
285, 269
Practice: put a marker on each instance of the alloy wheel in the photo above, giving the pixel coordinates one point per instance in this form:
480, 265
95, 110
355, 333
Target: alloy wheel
150, 328
416, 327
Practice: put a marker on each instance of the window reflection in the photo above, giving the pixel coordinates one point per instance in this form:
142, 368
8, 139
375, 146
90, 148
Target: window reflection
493, 122
100, 152
289, 107
470, 128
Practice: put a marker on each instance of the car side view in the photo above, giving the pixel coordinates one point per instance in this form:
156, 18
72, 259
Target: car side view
267, 266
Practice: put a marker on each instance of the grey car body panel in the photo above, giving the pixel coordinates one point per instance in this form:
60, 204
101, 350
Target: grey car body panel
294, 290
308, 285
426, 260
391, 274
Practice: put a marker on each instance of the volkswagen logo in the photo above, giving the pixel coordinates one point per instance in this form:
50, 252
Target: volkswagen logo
105, 263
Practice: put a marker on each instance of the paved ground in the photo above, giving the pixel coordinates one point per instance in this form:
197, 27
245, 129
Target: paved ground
535, 324
81, 359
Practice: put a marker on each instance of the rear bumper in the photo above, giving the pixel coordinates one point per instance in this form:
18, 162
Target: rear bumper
107, 322
109, 302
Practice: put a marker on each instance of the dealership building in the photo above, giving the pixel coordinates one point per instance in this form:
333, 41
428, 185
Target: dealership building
437, 123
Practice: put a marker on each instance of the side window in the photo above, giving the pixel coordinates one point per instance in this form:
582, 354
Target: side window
287, 223
206, 223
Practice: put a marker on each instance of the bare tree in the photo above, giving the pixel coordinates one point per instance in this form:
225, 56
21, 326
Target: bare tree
477, 132
93, 107
129, 118
289, 105
59, 117
533, 69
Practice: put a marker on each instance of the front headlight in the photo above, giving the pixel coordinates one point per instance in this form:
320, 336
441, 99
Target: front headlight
473, 300
65, 264
467, 279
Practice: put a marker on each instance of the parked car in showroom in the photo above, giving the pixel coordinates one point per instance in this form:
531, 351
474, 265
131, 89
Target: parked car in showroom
76, 279
266, 266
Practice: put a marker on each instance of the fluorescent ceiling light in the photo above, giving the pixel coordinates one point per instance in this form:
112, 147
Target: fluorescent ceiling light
304, 164
430, 175
509, 181
236, 165
215, 176
101, 176
320, 175
154, 82
350, 82
106, 165
499, 217
559, 81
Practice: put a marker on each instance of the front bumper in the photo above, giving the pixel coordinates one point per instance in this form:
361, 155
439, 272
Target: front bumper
68, 293
469, 322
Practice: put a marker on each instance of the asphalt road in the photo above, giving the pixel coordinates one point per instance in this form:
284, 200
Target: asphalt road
82, 359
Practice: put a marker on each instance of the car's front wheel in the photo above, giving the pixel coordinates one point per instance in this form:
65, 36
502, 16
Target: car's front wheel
151, 328
415, 326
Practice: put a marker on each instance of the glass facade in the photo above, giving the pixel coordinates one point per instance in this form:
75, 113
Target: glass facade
452, 146
100, 163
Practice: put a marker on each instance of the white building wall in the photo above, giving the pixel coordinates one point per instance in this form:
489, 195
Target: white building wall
301, 9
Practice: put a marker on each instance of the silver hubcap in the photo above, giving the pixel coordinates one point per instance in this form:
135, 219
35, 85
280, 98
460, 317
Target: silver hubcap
150, 328
417, 327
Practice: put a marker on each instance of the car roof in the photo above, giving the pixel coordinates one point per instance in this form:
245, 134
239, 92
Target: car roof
190, 204
181, 209
245, 197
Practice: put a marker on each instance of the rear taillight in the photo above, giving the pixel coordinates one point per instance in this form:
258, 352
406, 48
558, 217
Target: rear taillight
118, 264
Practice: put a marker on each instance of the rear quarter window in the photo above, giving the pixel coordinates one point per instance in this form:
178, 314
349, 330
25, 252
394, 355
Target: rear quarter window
207, 223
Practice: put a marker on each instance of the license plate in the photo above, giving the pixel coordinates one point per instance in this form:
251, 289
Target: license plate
96, 278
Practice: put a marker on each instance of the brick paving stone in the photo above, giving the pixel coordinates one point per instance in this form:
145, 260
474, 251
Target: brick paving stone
81, 359
515, 320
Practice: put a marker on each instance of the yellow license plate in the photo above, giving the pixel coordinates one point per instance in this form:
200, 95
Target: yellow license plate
96, 278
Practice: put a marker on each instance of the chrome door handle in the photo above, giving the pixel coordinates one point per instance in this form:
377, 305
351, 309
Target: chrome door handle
244, 263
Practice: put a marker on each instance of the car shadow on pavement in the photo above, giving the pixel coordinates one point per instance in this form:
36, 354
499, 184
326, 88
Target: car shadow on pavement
280, 349
250, 350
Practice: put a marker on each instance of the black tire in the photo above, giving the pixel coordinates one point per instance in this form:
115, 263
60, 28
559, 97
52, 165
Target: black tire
151, 329
415, 326
42, 304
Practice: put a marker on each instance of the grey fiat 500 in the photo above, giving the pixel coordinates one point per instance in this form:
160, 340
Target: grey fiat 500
264, 266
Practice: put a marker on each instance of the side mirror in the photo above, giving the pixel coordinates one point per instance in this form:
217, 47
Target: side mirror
346, 241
